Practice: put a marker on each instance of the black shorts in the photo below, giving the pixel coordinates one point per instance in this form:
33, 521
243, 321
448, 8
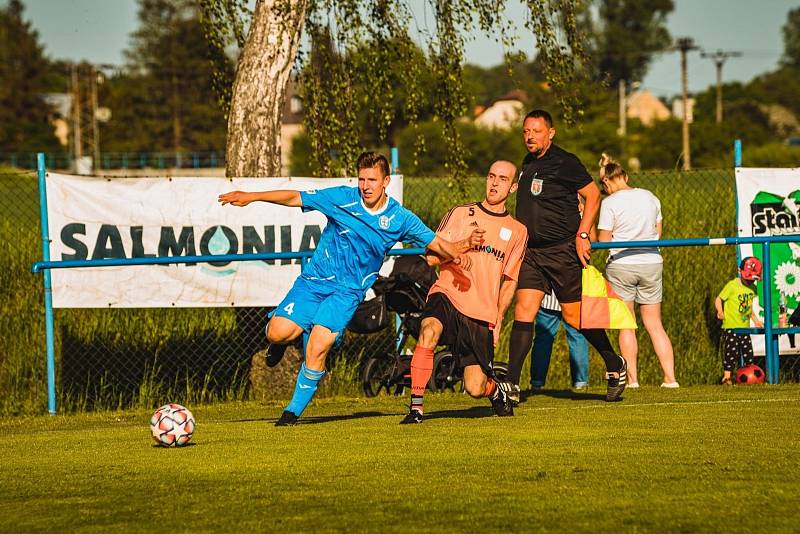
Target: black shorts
469, 339
555, 267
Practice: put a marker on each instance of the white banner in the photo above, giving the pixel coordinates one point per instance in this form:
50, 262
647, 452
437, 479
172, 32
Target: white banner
96, 218
768, 203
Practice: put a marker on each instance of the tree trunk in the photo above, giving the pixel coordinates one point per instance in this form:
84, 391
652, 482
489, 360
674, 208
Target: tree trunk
256, 113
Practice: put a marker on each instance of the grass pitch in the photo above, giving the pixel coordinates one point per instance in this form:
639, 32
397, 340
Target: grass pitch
693, 459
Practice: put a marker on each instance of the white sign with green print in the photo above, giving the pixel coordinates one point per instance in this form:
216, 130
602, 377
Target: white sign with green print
768, 203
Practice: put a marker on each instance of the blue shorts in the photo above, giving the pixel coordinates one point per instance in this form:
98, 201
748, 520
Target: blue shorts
327, 304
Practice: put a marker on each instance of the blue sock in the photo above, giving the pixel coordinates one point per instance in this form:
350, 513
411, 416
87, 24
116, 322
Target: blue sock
304, 389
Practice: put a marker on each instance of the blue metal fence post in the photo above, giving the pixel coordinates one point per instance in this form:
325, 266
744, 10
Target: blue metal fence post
395, 159
48, 294
770, 357
737, 153
395, 154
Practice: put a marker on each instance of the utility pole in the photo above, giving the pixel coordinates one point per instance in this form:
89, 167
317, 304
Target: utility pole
95, 130
685, 44
719, 58
77, 141
623, 110
86, 115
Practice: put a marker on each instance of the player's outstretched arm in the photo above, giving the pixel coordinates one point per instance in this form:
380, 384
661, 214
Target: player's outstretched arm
449, 250
284, 197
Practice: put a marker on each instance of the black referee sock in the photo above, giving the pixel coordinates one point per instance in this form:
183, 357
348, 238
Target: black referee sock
599, 340
518, 349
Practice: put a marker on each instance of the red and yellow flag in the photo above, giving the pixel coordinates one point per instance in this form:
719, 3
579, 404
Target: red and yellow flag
601, 307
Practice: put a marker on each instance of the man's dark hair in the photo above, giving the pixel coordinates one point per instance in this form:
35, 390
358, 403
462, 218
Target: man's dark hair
368, 160
540, 114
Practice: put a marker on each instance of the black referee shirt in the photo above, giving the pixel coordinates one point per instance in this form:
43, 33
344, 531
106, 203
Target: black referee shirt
547, 198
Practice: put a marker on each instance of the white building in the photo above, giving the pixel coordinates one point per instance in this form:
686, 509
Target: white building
505, 113
677, 109
646, 107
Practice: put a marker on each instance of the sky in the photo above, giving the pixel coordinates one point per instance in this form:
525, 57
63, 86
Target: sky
98, 31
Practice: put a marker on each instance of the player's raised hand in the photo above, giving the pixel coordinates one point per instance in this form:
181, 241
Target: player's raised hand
237, 198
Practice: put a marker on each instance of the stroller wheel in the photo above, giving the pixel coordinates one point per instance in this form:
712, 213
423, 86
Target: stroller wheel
376, 376
446, 373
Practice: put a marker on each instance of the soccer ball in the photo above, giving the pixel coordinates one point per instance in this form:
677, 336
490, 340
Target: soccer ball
750, 374
172, 425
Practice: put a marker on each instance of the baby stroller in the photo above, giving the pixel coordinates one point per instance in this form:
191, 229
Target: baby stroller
403, 292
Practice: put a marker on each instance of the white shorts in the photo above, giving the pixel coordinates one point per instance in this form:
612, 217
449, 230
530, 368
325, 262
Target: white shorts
636, 283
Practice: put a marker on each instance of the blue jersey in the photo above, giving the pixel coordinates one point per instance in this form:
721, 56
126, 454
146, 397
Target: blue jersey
351, 249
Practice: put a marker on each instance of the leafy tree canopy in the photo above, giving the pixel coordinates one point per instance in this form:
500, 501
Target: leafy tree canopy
791, 39
163, 98
626, 36
381, 30
24, 78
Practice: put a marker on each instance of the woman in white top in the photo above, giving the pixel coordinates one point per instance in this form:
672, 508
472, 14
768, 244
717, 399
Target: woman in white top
633, 214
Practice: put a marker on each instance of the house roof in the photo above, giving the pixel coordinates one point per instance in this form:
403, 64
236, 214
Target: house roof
517, 94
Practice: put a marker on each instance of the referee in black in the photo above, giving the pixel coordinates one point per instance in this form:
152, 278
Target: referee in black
558, 246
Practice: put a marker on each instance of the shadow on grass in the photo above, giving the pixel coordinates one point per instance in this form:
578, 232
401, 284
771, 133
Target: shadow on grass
166, 448
562, 394
475, 412
316, 419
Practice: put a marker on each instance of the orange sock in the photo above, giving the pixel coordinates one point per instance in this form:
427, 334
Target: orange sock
491, 387
421, 369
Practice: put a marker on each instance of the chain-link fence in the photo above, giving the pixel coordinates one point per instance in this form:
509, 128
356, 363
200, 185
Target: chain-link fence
121, 160
123, 357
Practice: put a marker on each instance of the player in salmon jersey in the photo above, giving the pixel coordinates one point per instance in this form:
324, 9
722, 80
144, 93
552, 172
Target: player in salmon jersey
467, 303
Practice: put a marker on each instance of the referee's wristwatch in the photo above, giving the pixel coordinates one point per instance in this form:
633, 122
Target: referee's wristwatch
583, 235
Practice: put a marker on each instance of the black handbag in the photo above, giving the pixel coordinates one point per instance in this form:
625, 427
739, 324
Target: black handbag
371, 316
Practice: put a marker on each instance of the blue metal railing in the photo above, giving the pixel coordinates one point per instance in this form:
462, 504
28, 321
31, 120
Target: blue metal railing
207, 258
771, 333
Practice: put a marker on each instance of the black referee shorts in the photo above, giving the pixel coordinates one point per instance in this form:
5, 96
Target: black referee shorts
469, 339
555, 267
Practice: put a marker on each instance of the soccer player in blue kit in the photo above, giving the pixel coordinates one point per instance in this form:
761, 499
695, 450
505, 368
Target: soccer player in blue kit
364, 223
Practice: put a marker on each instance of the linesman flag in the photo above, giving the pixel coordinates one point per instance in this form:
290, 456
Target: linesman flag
600, 306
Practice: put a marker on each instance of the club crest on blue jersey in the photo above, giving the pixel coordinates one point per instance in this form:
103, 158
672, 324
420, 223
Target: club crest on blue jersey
383, 222
536, 186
